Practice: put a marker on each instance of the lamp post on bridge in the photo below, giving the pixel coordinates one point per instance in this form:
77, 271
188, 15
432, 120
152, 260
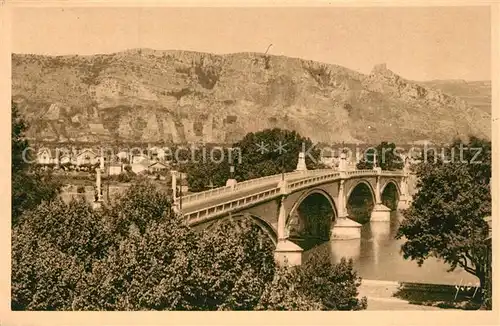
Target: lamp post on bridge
231, 181
282, 167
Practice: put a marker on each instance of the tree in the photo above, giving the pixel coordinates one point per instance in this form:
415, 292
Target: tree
318, 284
28, 189
335, 286
18, 141
385, 156
446, 218
283, 293
52, 249
263, 153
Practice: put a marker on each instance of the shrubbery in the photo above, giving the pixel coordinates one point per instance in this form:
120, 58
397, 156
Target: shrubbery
138, 255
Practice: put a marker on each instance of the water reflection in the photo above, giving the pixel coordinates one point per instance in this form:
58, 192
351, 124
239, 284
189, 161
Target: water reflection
377, 256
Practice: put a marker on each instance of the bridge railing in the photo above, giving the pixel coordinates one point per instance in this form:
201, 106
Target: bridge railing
360, 172
275, 178
393, 173
226, 207
315, 179
247, 184
317, 176
227, 189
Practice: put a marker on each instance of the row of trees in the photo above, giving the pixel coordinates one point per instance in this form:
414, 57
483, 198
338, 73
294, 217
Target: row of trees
138, 255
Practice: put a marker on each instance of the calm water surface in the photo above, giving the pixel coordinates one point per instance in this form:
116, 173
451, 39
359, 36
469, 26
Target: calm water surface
377, 256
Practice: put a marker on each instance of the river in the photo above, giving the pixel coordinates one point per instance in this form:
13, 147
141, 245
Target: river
376, 256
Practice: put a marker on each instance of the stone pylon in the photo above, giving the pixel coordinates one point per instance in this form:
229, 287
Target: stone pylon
343, 162
301, 164
287, 252
98, 202
343, 227
101, 160
380, 212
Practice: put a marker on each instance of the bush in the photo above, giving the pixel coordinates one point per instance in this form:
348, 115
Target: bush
333, 285
124, 177
80, 189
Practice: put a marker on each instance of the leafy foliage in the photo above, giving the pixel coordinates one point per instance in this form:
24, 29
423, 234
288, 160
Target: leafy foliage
260, 156
28, 189
138, 255
333, 285
446, 218
385, 155
318, 284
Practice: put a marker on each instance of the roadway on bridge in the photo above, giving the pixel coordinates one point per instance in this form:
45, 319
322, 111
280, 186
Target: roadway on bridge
225, 197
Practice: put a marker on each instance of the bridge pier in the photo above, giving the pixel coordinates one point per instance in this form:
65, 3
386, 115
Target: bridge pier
380, 212
403, 203
344, 228
286, 252
404, 198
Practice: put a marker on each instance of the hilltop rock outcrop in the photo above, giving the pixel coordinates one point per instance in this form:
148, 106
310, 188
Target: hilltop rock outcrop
180, 96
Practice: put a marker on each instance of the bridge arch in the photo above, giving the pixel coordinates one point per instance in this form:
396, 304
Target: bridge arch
256, 220
360, 200
390, 193
313, 213
359, 183
389, 181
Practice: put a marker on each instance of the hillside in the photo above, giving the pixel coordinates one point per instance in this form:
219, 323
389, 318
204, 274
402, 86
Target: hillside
476, 93
179, 96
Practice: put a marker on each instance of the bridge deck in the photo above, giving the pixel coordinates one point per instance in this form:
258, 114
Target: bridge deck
200, 204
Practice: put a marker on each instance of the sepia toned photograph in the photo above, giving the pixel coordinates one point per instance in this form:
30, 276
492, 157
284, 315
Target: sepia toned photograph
251, 158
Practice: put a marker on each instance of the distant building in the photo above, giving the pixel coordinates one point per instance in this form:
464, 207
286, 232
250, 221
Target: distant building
160, 153
327, 158
44, 156
139, 158
65, 158
140, 167
122, 155
157, 167
115, 169
86, 156
156, 153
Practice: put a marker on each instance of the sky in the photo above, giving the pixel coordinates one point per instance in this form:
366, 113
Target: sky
418, 43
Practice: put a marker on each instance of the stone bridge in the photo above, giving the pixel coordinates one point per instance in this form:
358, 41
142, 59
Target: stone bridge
302, 205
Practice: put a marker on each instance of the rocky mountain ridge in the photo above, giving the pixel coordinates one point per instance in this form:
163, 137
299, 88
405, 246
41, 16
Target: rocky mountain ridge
180, 96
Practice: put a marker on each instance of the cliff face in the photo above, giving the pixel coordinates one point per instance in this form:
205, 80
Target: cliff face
147, 95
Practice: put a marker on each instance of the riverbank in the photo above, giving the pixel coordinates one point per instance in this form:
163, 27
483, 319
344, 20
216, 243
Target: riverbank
388, 295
